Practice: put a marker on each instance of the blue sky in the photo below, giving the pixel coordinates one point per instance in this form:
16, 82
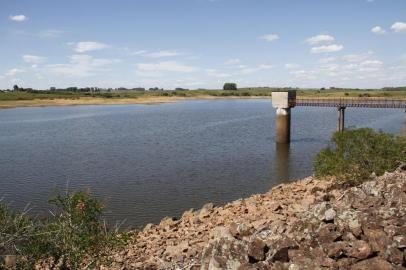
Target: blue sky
203, 43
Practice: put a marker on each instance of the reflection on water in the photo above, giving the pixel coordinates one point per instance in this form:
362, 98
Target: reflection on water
281, 162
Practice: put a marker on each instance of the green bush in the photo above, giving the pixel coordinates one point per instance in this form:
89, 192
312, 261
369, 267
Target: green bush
74, 235
354, 155
19, 234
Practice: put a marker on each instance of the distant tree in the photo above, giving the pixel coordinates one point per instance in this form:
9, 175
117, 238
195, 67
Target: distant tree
73, 89
156, 89
15, 87
138, 89
230, 86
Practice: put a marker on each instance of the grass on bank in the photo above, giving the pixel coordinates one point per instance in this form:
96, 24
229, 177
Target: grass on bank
242, 92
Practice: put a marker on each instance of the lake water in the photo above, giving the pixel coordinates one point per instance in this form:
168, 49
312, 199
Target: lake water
151, 161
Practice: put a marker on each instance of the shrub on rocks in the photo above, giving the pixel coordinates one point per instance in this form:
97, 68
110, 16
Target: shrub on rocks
356, 155
75, 236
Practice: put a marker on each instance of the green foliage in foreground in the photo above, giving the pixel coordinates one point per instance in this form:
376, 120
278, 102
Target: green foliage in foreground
354, 155
74, 235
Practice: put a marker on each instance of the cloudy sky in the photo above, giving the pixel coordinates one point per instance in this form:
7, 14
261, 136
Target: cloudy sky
203, 43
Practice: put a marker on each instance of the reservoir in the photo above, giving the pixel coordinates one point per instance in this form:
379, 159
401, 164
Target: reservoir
151, 161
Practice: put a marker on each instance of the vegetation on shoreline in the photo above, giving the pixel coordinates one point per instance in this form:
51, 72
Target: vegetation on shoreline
355, 155
241, 92
74, 232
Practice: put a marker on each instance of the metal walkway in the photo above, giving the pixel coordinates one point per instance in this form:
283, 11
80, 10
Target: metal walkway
350, 102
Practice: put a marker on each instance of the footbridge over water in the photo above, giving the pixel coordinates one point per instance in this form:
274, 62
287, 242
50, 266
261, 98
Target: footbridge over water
284, 101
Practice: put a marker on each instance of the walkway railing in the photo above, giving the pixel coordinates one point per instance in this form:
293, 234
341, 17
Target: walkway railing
350, 102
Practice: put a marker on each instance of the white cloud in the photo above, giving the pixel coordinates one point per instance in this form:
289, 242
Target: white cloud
33, 59
356, 57
239, 70
87, 46
371, 65
399, 27
18, 18
327, 48
160, 54
14, 71
327, 60
80, 66
218, 74
270, 37
234, 61
291, 66
171, 66
304, 74
140, 52
378, 30
336, 73
247, 71
264, 66
157, 54
50, 33
319, 39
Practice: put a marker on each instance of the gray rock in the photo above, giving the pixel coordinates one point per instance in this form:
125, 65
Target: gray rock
330, 214
224, 253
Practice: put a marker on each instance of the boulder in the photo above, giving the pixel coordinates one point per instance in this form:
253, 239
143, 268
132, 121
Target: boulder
375, 263
224, 254
329, 215
359, 249
400, 241
377, 239
240, 230
257, 249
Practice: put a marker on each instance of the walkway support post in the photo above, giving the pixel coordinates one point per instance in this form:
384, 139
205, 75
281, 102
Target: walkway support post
283, 102
340, 118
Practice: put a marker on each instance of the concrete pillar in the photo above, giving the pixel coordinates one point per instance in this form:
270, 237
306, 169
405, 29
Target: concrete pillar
283, 125
340, 118
283, 102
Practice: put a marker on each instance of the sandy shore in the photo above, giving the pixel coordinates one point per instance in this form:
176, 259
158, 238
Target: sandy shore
105, 101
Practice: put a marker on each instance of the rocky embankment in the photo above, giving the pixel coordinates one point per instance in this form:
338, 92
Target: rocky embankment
309, 224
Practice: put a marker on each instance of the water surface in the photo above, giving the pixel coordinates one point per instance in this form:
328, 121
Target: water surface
151, 161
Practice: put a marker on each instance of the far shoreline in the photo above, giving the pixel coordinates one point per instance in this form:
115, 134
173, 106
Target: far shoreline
12, 104
149, 100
